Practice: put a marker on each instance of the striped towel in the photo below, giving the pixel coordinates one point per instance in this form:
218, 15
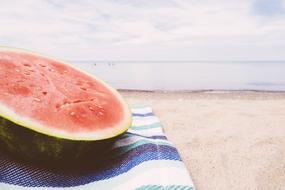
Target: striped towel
141, 159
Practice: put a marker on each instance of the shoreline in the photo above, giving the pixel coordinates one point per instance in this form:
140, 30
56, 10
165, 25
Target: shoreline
206, 94
201, 91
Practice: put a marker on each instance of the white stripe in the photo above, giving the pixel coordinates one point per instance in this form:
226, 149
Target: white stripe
148, 132
143, 110
140, 118
145, 121
158, 172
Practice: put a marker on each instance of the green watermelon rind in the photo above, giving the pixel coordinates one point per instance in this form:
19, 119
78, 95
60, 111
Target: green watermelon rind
7, 114
54, 152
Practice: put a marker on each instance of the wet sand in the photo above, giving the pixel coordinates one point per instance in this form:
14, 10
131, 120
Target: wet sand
228, 140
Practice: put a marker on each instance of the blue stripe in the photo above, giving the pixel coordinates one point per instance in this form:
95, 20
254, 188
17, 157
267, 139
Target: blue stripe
143, 115
23, 174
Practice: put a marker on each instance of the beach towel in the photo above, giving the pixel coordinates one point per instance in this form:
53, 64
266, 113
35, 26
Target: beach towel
141, 159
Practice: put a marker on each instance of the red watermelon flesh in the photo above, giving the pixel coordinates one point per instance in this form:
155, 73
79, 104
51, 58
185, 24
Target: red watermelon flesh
54, 98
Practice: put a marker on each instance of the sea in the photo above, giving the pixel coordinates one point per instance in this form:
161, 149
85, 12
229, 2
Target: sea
189, 75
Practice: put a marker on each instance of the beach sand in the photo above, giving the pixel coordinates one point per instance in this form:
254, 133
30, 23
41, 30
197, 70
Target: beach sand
228, 140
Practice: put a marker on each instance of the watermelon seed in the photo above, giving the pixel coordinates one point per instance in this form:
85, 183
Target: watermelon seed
17, 70
44, 93
83, 88
100, 113
42, 65
37, 99
27, 65
65, 71
72, 113
77, 101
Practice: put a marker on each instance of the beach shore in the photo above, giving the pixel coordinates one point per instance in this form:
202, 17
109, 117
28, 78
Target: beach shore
228, 140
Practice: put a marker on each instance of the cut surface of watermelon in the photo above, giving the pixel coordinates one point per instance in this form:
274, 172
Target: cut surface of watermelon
54, 98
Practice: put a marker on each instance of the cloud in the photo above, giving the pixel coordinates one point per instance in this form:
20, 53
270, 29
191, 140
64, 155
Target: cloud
145, 30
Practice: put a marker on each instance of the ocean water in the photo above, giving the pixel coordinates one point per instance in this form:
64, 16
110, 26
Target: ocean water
200, 75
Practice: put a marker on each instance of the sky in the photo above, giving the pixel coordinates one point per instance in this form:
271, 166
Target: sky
146, 29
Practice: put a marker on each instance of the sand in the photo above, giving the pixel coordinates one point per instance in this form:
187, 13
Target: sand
228, 140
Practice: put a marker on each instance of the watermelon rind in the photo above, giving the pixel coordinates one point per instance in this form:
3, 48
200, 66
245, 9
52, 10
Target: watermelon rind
45, 150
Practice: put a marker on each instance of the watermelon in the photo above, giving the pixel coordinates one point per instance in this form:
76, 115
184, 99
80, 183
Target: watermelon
50, 110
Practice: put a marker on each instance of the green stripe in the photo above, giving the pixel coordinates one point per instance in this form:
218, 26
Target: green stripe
142, 127
178, 187
124, 149
186, 188
171, 187
149, 187
167, 187
155, 187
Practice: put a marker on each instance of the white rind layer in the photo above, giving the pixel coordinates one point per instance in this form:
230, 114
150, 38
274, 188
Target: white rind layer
29, 123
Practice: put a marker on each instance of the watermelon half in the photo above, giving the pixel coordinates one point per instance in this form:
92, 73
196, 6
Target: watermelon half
50, 110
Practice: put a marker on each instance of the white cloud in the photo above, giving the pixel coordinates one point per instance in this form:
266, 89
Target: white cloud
144, 30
